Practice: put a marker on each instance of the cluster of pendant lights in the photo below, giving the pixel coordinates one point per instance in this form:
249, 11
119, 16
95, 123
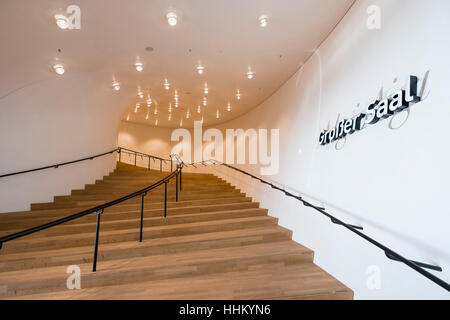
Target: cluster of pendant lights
172, 20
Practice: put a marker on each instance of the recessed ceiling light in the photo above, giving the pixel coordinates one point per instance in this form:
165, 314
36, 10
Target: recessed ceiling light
116, 85
263, 20
250, 74
61, 21
58, 68
139, 66
200, 69
166, 84
172, 19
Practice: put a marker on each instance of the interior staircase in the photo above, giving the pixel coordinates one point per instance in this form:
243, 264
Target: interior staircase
215, 243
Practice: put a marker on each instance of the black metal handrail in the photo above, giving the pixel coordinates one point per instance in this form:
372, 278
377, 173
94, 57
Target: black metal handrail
141, 154
56, 166
177, 174
392, 255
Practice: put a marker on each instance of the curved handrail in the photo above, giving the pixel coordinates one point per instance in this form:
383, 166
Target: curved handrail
390, 254
60, 164
100, 209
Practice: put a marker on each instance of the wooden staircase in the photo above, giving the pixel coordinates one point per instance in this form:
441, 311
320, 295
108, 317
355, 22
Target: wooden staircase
214, 244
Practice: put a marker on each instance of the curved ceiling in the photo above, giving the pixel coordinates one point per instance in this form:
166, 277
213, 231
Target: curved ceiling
222, 35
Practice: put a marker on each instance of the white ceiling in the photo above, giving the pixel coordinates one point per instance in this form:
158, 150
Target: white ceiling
222, 35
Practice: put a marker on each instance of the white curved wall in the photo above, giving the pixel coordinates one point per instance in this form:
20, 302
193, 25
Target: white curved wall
52, 121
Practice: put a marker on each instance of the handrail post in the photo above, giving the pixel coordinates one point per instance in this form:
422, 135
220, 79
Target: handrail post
148, 162
181, 174
142, 216
160, 165
120, 153
97, 231
135, 156
176, 187
171, 164
165, 199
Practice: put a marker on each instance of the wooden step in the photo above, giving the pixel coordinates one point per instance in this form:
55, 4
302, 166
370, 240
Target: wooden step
130, 249
167, 266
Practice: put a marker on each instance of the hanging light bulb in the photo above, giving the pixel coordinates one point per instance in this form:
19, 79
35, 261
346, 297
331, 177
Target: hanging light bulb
238, 95
201, 120
166, 84
200, 69
170, 117
188, 115
250, 74
116, 85
181, 122
217, 114
140, 94
138, 105
176, 104
149, 101
205, 102
128, 117
175, 96
199, 109
58, 68
135, 110
139, 66
229, 107
170, 107
155, 111
156, 122
146, 117
206, 90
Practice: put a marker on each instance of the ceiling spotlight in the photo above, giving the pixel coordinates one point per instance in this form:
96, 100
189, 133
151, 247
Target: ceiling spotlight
263, 21
175, 96
140, 94
149, 102
138, 105
116, 85
58, 68
61, 21
205, 102
170, 117
250, 74
199, 109
229, 107
172, 19
238, 95
170, 107
166, 84
176, 104
205, 90
188, 115
217, 114
139, 66
200, 69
